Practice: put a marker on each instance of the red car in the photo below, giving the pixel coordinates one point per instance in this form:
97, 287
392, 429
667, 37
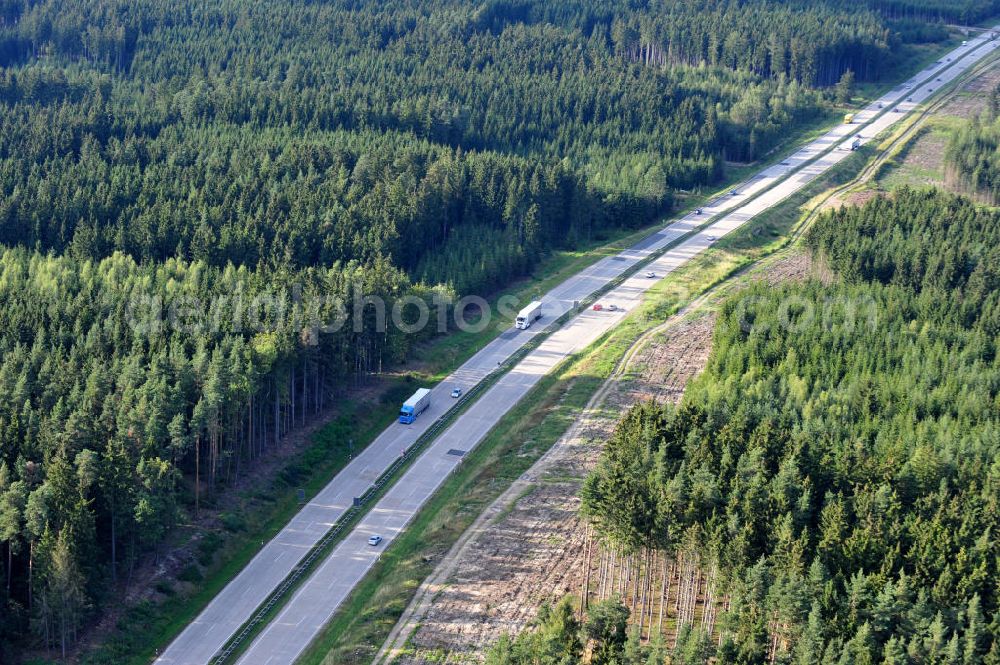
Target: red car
598, 307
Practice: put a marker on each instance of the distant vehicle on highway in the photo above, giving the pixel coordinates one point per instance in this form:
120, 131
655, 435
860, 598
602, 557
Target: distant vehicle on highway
849, 119
456, 392
598, 307
414, 406
529, 315
698, 211
374, 540
857, 143
612, 307
650, 274
712, 238
735, 193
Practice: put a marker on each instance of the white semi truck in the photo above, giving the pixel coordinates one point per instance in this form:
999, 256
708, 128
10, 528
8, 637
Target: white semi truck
529, 315
414, 406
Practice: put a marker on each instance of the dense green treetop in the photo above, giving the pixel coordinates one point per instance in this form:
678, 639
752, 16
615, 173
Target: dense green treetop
839, 455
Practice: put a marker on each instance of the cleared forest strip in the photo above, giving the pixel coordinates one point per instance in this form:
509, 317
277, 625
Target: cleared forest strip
688, 594
682, 601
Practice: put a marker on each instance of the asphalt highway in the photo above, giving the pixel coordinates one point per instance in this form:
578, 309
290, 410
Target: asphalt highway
318, 598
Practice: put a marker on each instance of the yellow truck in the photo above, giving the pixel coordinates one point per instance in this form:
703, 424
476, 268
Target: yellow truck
849, 119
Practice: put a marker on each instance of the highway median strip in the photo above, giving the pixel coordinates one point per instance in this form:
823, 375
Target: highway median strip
280, 594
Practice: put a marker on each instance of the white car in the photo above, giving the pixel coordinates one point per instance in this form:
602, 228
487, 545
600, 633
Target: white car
456, 392
612, 308
712, 238
651, 274
374, 540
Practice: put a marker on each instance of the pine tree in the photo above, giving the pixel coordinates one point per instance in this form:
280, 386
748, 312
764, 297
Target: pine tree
845, 87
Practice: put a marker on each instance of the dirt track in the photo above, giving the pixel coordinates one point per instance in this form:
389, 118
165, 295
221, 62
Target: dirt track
530, 545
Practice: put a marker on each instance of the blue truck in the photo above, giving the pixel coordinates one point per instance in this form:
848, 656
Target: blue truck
414, 406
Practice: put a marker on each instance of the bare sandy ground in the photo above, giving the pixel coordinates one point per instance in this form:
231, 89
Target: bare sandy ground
531, 546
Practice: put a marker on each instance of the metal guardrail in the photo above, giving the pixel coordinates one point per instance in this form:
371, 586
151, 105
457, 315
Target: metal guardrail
306, 564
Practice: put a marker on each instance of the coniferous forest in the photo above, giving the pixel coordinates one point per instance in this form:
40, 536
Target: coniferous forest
177, 152
972, 158
837, 460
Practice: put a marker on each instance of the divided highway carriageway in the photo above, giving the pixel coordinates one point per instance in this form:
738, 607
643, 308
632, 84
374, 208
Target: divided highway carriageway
315, 601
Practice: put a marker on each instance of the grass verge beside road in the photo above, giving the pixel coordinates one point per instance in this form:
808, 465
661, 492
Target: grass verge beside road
540, 419
531, 428
146, 628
